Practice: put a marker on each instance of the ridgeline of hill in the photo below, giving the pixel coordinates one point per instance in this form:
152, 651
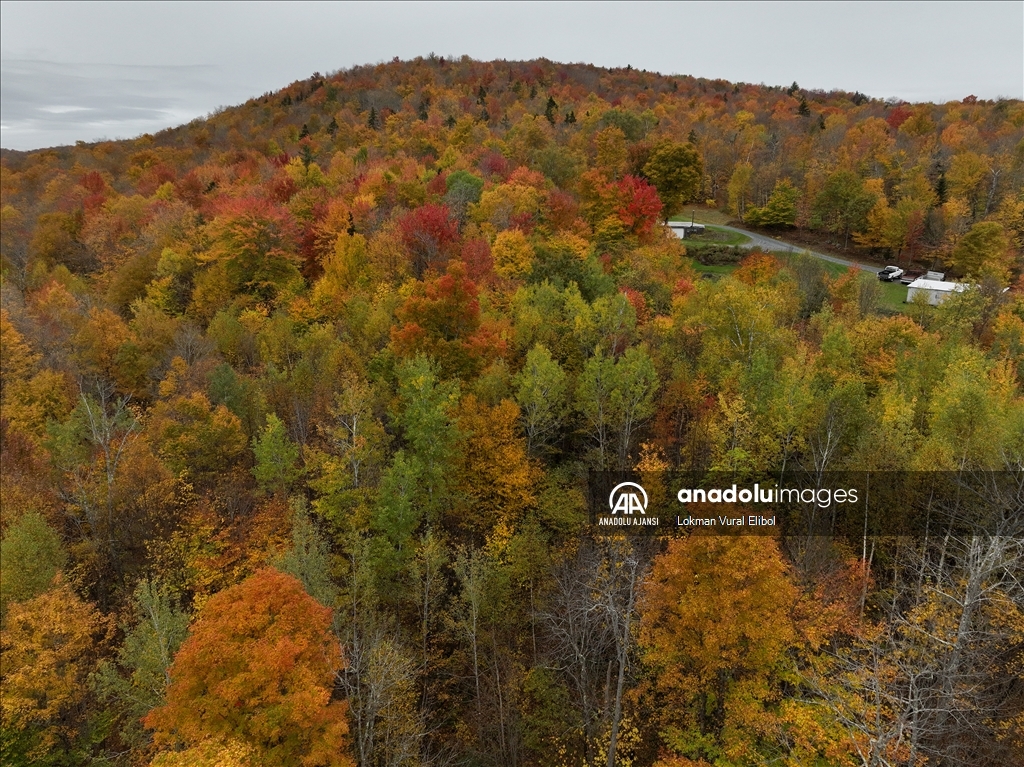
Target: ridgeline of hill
908, 181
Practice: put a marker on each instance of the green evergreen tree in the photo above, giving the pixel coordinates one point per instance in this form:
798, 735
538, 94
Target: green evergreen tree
551, 110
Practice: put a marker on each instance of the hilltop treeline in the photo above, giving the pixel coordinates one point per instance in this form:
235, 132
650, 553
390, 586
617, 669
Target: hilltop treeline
299, 403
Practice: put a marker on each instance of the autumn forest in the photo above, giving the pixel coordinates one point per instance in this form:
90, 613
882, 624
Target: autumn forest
300, 402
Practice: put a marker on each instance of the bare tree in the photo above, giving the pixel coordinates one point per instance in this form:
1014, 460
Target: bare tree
380, 685
102, 426
590, 623
619, 590
379, 679
579, 639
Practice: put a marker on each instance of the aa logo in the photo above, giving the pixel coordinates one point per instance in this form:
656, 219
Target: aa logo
625, 498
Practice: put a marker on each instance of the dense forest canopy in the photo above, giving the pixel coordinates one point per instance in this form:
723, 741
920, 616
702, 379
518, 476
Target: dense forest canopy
299, 403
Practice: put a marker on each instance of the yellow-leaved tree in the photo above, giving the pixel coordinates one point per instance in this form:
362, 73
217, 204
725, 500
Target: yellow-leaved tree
50, 644
512, 253
717, 630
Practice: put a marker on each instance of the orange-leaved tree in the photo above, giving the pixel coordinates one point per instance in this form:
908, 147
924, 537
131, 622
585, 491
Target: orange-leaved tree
441, 319
494, 478
258, 669
253, 249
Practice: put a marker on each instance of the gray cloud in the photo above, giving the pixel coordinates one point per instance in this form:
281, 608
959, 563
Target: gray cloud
46, 103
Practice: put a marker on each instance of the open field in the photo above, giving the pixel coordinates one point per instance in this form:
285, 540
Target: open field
717, 235
718, 270
893, 297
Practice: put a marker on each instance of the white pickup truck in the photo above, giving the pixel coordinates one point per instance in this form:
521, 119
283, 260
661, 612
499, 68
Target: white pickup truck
890, 274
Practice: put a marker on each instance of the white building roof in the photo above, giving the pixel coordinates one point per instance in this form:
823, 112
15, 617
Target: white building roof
945, 287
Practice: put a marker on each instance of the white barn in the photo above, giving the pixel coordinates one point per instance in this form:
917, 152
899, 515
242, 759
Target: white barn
683, 229
936, 291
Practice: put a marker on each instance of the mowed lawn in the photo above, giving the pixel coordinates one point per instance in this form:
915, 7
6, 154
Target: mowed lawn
894, 296
716, 235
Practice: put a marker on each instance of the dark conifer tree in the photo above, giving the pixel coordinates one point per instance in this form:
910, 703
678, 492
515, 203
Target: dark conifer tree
551, 110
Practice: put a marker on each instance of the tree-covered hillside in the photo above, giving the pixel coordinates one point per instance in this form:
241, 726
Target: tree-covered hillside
300, 401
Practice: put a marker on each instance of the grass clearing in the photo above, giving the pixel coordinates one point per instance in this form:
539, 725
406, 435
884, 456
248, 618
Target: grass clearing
833, 270
701, 214
717, 270
716, 235
893, 296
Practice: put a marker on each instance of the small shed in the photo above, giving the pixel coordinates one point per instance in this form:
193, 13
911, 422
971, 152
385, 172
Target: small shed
936, 291
685, 229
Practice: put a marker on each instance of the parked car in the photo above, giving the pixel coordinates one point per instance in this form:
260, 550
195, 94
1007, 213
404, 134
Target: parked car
890, 274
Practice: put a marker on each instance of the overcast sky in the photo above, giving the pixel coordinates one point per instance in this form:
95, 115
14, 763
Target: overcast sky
86, 71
